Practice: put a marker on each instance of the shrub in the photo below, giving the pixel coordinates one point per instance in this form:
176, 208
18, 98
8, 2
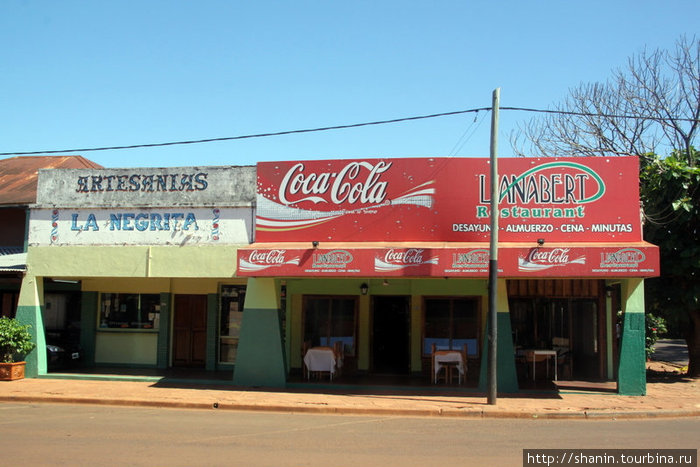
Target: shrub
15, 339
655, 326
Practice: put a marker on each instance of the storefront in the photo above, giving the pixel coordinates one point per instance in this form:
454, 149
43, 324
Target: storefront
390, 258
151, 253
246, 268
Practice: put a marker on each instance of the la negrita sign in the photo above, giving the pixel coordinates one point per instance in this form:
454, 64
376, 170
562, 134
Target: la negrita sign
590, 199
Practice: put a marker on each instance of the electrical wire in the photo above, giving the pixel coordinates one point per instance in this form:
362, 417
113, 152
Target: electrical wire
259, 135
328, 128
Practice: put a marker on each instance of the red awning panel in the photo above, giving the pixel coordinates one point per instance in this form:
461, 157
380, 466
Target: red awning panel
447, 260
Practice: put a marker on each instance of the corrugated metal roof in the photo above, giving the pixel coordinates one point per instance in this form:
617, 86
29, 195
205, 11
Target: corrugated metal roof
18, 175
12, 259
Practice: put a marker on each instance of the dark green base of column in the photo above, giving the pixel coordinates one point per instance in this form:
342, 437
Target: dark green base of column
506, 374
631, 379
36, 359
260, 358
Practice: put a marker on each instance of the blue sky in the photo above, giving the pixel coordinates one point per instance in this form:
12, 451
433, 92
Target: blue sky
83, 74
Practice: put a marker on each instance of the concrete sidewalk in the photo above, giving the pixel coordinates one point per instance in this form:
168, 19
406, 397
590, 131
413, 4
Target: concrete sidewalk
666, 397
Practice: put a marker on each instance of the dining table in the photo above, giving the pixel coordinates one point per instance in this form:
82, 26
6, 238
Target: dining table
322, 359
534, 353
447, 358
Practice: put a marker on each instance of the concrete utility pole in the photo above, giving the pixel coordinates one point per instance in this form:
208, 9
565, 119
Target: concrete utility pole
493, 256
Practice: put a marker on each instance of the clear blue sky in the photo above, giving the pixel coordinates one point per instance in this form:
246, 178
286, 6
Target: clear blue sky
82, 74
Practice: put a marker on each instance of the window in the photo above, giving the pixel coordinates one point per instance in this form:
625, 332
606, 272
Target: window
450, 323
130, 311
231, 316
331, 319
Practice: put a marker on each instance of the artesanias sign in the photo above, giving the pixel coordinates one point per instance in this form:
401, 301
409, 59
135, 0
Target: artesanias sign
590, 199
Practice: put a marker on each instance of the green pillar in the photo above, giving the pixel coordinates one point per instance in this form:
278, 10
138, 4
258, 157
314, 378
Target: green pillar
631, 374
260, 359
506, 375
29, 306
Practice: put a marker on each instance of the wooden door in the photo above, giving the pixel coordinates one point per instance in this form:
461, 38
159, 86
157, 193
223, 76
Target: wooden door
190, 331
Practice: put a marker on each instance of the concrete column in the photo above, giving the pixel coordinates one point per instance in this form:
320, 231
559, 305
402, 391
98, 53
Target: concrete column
29, 306
260, 360
507, 378
631, 374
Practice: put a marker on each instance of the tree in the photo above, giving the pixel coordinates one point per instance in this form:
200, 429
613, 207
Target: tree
650, 107
670, 193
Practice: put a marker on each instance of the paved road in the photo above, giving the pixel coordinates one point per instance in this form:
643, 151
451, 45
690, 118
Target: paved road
671, 351
81, 435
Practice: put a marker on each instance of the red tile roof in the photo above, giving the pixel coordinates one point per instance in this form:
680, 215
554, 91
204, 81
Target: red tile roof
18, 175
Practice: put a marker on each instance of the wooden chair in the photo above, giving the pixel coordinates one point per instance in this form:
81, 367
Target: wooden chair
305, 346
339, 353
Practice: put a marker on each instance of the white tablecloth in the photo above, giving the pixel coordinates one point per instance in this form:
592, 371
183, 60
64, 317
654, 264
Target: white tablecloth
448, 356
320, 359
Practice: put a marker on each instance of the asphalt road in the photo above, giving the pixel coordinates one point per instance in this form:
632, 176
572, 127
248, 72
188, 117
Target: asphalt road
81, 435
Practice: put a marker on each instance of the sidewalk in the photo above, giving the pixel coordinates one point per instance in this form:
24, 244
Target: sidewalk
671, 396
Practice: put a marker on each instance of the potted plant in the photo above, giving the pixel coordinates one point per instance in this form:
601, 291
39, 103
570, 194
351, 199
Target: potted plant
15, 340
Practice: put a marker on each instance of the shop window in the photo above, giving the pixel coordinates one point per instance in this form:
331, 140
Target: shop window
328, 320
450, 323
129, 311
538, 323
231, 317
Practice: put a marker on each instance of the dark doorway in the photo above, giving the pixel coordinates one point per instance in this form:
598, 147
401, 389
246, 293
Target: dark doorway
391, 335
190, 331
584, 318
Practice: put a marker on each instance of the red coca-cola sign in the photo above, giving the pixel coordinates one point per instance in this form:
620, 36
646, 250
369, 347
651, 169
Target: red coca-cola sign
590, 199
640, 260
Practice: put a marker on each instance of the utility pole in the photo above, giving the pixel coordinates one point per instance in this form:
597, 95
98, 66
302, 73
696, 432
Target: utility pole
493, 257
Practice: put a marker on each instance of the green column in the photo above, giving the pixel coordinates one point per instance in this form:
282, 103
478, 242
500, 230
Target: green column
29, 306
506, 375
260, 359
162, 358
88, 327
631, 374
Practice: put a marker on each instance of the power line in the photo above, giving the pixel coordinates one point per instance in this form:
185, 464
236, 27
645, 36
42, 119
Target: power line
258, 135
593, 114
336, 127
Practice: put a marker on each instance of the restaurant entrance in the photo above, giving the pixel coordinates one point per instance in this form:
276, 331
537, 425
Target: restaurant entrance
391, 335
569, 327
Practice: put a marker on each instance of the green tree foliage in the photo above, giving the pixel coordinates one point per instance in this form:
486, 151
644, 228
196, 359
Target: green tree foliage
670, 193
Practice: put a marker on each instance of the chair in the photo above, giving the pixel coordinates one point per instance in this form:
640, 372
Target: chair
305, 348
449, 367
339, 352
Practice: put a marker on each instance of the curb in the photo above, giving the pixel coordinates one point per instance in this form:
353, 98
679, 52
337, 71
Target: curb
450, 413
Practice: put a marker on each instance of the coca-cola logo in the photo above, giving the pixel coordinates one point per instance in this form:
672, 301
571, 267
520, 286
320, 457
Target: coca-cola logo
259, 260
539, 259
267, 256
355, 182
553, 256
332, 259
410, 256
394, 259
